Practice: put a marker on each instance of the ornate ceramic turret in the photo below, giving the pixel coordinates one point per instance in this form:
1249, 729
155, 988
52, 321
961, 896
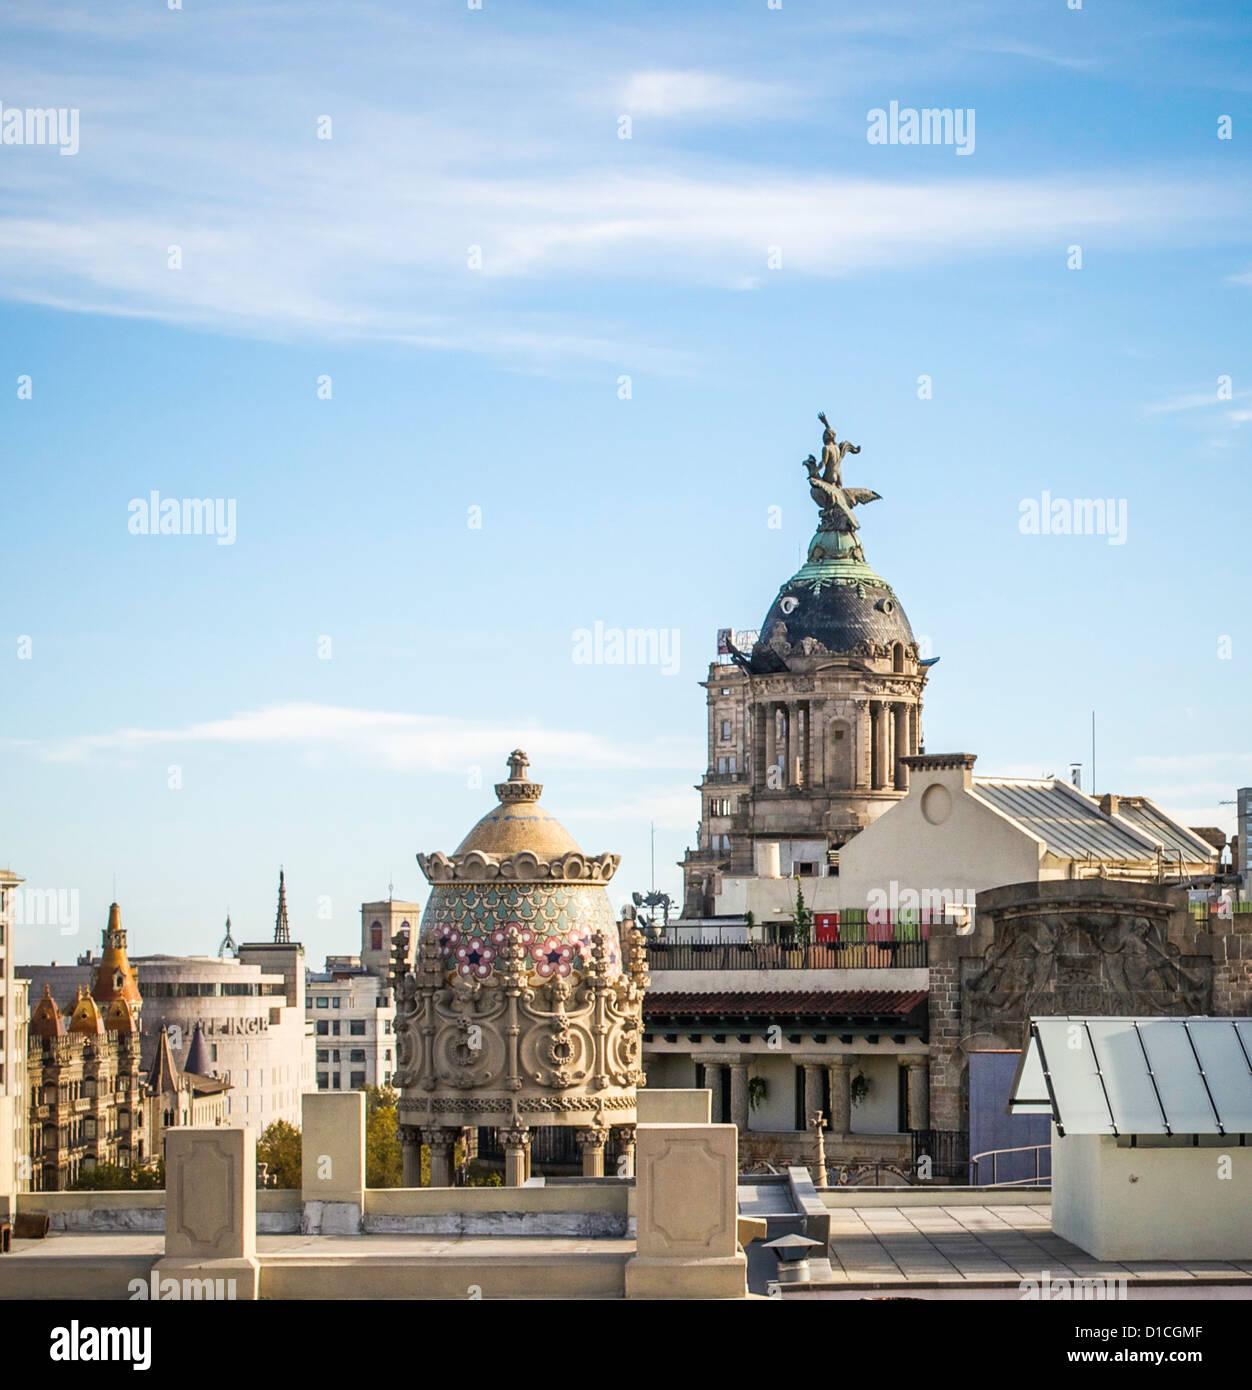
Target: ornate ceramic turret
520, 1009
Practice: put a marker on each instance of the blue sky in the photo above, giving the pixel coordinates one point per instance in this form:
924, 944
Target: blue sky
498, 388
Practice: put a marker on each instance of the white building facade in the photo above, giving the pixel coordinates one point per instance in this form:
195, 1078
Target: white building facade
351, 1004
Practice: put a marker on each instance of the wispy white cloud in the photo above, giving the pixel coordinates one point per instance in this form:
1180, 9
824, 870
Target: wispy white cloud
1012, 48
664, 93
383, 738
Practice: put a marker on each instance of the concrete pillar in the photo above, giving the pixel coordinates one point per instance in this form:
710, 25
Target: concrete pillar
332, 1162
915, 723
759, 754
624, 1145
840, 1095
591, 1140
902, 745
686, 1190
878, 710
739, 1095
919, 1092
515, 1140
439, 1141
812, 1090
771, 738
410, 1156
210, 1211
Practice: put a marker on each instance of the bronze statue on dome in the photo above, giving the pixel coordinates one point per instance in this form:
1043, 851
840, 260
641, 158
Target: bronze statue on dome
826, 483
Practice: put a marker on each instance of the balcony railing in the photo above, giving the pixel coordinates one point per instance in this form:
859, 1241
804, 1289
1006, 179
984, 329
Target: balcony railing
774, 955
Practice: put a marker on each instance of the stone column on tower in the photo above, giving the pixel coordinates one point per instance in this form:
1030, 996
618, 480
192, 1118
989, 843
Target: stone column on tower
902, 749
878, 709
771, 740
863, 748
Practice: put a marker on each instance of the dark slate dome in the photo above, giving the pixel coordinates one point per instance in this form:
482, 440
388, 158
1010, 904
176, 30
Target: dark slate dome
840, 615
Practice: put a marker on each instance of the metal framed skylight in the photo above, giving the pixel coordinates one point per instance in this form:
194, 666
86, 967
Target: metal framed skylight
1124, 1076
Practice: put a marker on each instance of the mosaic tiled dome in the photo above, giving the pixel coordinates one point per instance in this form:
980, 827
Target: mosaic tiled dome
519, 1010
519, 867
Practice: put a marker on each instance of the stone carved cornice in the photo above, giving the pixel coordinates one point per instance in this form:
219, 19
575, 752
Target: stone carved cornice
522, 867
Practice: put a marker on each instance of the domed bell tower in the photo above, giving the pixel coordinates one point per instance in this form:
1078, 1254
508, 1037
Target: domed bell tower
810, 718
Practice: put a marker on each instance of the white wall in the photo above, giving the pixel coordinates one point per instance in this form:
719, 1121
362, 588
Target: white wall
972, 848
1152, 1203
778, 1108
879, 1112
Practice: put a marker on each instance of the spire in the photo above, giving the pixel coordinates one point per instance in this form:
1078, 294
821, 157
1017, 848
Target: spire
115, 977
198, 1054
163, 1075
228, 942
282, 931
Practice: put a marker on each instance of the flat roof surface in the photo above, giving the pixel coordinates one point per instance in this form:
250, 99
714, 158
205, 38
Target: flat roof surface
969, 1245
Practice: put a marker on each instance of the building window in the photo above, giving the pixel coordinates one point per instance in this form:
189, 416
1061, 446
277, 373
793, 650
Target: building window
725, 729
323, 1056
322, 1002
387, 1055
376, 937
719, 806
334, 1083
334, 1028
356, 1027
321, 1027
357, 1080
213, 1052
725, 690
334, 1003
357, 1054
323, 1080
721, 765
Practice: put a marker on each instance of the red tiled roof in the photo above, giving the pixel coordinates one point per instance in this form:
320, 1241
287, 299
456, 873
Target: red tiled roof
858, 1003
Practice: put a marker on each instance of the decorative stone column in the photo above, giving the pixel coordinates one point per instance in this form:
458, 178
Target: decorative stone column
591, 1140
410, 1156
771, 738
439, 1141
840, 1095
714, 1081
739, 1094
624, 1148
515, 1140
878, 711
863, 749
918, 1092
817, 722
902, 749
